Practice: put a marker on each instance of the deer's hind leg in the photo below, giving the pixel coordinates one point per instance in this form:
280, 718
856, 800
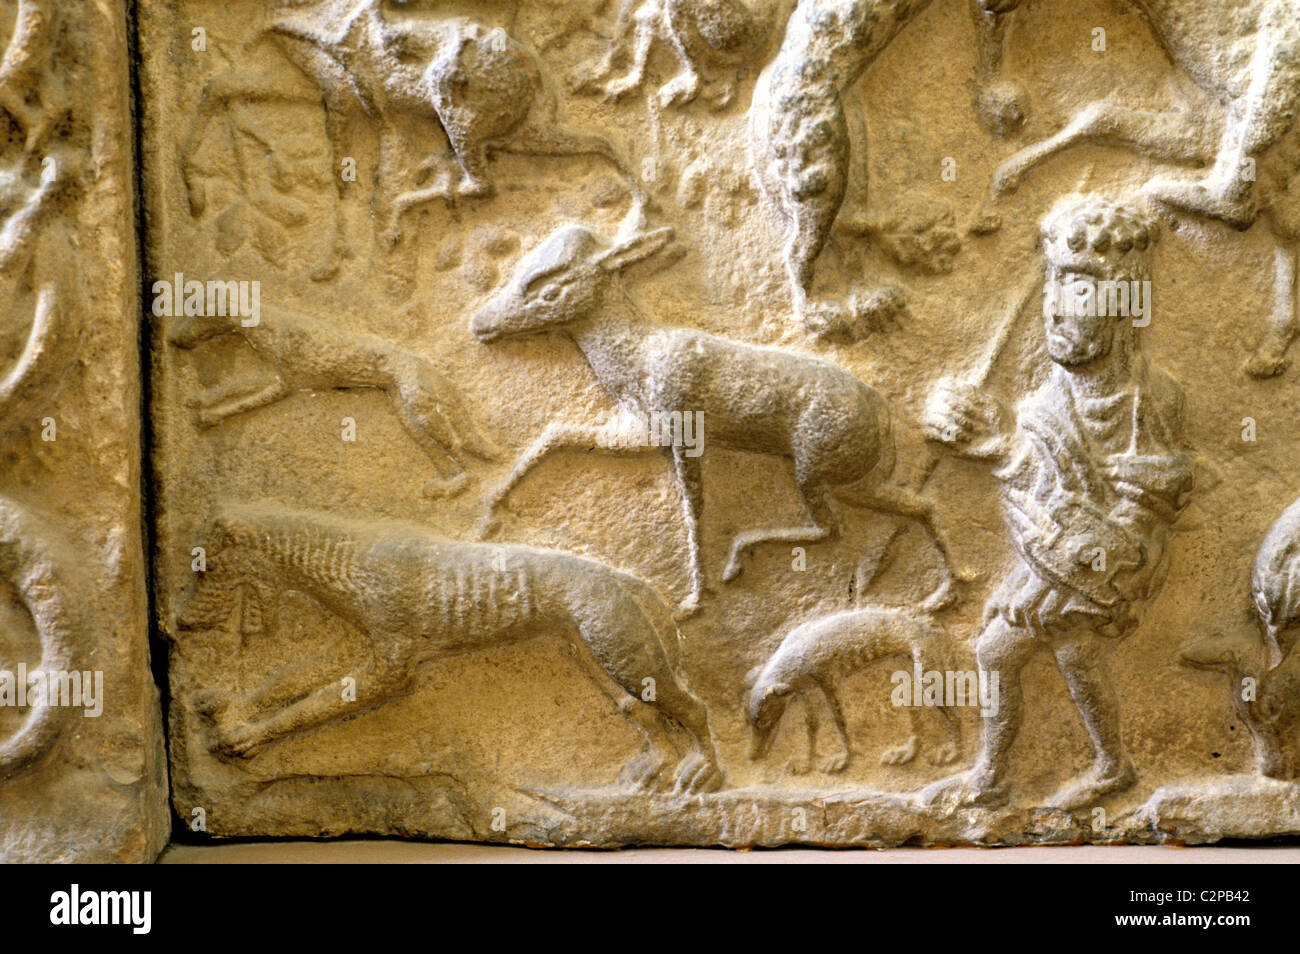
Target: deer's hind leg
825, 526
216, 405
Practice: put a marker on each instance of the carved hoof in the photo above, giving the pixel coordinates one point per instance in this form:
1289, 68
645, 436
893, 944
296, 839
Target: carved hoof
733, 568
690, 606
679, 91
1006, 178
488, 525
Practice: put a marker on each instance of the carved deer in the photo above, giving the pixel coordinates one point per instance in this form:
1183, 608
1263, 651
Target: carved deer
835, 429
308, 353
1239, 130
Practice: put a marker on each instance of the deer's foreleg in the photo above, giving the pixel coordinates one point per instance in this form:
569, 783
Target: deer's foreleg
606, 439
690, 481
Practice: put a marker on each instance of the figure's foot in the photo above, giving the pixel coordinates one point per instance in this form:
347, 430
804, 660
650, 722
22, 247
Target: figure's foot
901, 754
1095, 784
975, 789
1218, 199
837, 762
641, 773
695, 774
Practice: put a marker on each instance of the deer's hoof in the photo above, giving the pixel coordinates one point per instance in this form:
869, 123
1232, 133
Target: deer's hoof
1006, 178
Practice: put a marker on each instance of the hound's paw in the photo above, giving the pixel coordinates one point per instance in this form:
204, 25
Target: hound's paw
901, 754
836, 763
696, 774
945, 754
642, 772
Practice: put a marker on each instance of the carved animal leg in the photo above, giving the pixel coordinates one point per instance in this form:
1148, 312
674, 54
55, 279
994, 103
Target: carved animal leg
1269, 358
336, 131
647, 19
684, 87
826, 525
556, 437
690, 482
951, 747
1167, 134
905, 752
553, 140
801, 764
897, 500
618, 40
222, 406
644, 770
839, 760
433, 413
321, 707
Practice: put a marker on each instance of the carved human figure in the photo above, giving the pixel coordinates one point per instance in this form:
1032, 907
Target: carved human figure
1093, 471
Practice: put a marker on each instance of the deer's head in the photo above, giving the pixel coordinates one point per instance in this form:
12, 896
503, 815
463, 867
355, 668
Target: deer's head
561, 281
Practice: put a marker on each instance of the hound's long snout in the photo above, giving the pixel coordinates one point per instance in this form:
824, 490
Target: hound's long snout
488, 323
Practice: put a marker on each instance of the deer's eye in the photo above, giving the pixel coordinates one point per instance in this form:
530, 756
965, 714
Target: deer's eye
551, 292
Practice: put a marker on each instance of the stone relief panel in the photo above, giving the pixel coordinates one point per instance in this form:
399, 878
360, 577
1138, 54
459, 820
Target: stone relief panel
82, 773
725, 421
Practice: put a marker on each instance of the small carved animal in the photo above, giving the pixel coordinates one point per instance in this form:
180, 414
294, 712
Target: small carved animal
821, 651
419, 598
1273, 714
482, 88
835, 429
307, 353
698, 32
1246, 60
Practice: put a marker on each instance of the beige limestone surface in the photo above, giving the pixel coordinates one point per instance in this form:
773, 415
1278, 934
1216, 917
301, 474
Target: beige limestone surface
581, 423
82, 769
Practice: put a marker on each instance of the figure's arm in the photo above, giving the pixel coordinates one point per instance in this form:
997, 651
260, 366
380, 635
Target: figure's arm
970, 422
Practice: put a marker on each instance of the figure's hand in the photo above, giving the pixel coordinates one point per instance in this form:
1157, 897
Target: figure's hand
964, 418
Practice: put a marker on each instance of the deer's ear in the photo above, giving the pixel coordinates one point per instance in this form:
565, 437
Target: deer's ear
633, 249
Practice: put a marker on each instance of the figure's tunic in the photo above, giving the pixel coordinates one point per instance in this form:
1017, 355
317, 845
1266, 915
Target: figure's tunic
1090, 490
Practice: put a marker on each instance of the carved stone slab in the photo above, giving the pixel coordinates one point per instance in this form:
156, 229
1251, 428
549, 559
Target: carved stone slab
82, 770
727, 421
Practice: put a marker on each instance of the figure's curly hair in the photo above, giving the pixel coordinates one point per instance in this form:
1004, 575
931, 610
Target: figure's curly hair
1099, 235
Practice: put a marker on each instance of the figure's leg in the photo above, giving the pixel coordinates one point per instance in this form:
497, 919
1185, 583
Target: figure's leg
1080, 659
646, 20
685, 86
1003, 649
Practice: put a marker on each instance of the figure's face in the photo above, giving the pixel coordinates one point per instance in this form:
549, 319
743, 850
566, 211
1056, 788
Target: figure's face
1074, 340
